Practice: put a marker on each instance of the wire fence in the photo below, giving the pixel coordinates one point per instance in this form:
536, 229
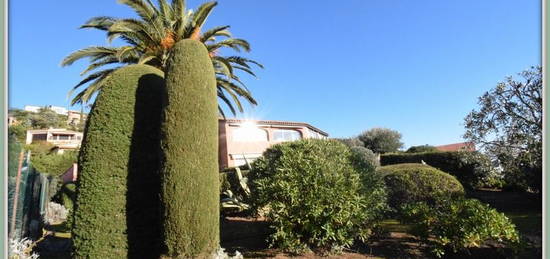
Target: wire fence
28, 193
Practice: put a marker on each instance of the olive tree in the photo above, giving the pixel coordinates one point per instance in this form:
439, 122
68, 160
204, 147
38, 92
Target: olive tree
508, 126
381, 140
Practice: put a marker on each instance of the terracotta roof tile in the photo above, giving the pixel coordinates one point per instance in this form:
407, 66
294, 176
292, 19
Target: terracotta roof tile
469, 146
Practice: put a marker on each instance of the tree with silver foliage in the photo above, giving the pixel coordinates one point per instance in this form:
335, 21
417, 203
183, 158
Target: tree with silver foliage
508, 126
381, 140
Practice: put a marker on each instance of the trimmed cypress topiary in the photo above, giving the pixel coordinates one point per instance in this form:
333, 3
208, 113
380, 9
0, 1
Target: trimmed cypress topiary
117, 212
189, 140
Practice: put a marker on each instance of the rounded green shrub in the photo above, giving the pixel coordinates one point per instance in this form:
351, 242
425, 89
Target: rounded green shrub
117, 199
459, 224
473, 169
189, 140
314, 196
408, 183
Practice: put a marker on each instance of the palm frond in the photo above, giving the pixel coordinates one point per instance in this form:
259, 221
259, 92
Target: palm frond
147, 58
134, 29
243, 61
143, 9
224, 88
178, 7
90, 52
202, 13
95, 65
230, 86
101, 23
247, 70
85, 94
92, 77
165, 10
223, 66
214, 32
180, 17
221, 111
224, 98
235, 44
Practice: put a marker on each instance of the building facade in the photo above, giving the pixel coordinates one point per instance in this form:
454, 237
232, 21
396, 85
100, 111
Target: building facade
242, 141
63, 139
73, 117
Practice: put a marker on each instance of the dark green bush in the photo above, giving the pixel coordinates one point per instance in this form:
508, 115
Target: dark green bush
66, 196
458, 225
472, 169
314, 196
117, 198
409, 183
40, 148
19, 131
420, 149
523, 173
54, 164
189, 141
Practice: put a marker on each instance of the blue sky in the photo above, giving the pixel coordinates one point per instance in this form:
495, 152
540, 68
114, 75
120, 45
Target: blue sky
343, 66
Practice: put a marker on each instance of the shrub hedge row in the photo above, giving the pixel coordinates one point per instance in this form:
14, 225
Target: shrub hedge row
472, 169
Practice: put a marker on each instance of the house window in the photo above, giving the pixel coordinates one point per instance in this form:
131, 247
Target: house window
38, 137
248, 134
63, 137
315, 134
286, 135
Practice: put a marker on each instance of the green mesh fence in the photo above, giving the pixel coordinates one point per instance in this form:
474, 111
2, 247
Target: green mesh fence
28, 193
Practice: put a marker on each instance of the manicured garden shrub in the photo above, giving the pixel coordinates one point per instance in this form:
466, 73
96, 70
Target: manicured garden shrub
458, 225
189, 140
420, 149
117, 204
314, 196
409, 183
472, 169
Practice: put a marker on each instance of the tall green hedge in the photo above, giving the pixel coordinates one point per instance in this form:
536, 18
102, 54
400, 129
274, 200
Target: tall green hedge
189, 141
117, 206
472, 169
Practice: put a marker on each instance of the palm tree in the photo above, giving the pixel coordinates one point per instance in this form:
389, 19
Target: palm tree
150, 39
